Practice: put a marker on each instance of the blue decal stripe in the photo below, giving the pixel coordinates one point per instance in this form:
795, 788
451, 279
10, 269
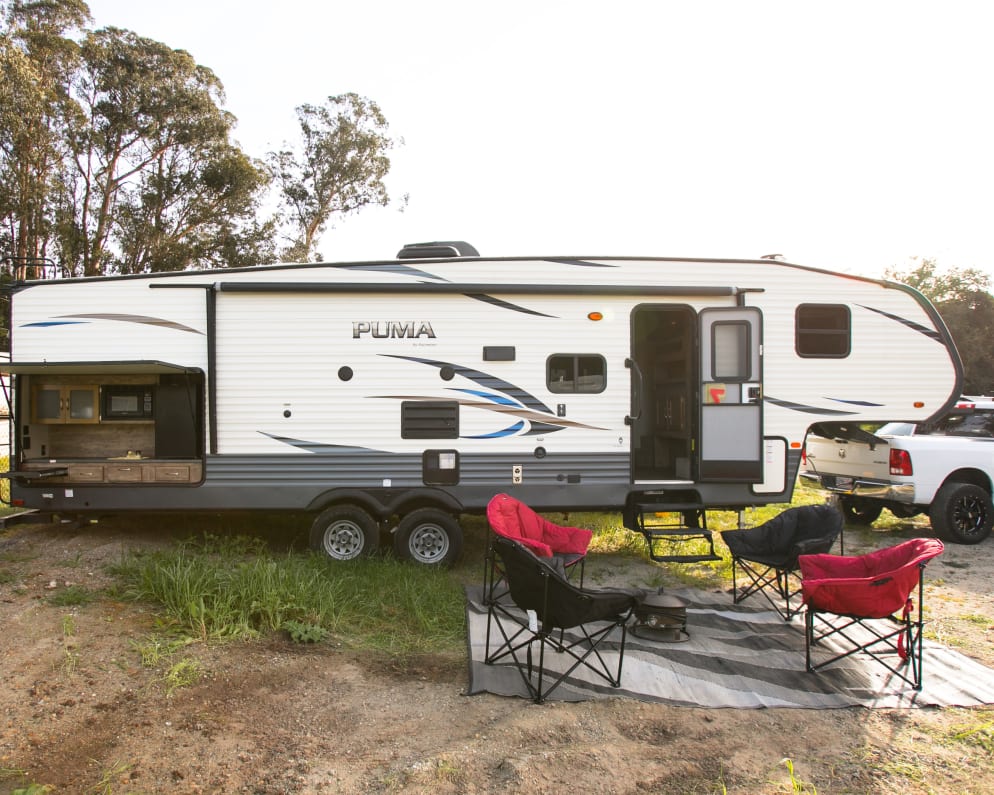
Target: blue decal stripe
509, 431
486, 380
504, 401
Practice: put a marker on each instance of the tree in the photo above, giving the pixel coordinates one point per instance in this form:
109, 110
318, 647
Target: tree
962, 299
339, 169
941, 286
155, 172
36, 61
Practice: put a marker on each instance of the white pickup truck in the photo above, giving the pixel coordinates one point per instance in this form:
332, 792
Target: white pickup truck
946, 472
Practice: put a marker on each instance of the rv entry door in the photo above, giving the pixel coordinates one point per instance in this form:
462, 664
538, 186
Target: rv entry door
731, 369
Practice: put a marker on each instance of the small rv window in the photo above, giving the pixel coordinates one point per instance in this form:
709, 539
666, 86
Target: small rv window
576, 372
730, 355
823, 330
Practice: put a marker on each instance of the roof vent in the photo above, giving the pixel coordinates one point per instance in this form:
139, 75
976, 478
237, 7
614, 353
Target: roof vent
440, 248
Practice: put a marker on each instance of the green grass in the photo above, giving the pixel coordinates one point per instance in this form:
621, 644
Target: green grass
239, 590
72, 596
216, 587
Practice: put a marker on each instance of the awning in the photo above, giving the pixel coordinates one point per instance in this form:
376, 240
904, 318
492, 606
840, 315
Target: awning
94, 368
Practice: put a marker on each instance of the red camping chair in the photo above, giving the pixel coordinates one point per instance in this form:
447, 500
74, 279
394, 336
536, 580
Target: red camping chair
871, 592
511, 518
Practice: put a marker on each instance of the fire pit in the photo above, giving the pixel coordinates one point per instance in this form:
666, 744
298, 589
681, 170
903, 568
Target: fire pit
663, 618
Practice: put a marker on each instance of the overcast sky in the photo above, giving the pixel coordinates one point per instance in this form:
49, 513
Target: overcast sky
845, 135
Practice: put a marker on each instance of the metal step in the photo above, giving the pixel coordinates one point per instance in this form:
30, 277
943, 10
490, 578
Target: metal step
665, 526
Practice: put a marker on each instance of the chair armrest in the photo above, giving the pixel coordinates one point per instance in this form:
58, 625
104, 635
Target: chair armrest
813, 546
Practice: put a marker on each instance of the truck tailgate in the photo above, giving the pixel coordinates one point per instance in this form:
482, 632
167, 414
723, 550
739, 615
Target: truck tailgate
848, 453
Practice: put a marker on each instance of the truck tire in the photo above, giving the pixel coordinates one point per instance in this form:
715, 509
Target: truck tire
962, 513
860, 511
428, 536
344, 532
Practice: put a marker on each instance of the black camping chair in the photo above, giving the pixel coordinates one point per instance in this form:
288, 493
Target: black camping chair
545, 601
767, 554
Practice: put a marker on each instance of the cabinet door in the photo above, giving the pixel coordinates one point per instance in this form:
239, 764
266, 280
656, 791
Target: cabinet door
60, 403
81, 404
46, 405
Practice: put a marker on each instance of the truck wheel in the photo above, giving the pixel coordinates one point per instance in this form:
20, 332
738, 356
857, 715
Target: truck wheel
428, 536
962, 513
344, 532
860, 511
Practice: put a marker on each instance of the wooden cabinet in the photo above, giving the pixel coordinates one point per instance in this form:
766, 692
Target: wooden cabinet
57, 404
86, 473
123, 473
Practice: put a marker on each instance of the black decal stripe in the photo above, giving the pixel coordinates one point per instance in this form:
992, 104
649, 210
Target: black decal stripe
403, 270
316, 447
581, 263
489, 299
855, 402
786, 404
483, 379
928, 332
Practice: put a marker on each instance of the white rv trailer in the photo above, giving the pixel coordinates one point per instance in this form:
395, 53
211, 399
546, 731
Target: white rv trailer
399, 394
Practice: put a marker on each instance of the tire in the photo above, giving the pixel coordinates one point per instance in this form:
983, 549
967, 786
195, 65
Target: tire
344, 532
860, 511
962, 513
428, 536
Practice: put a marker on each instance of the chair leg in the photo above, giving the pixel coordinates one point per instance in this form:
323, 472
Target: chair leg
761, 581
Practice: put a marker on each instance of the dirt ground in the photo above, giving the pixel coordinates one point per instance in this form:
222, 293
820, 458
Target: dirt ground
82, 714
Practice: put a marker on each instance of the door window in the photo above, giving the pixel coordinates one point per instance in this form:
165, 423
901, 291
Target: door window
730, 354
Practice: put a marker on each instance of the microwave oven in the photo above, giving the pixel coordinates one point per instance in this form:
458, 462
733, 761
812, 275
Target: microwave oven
128, 402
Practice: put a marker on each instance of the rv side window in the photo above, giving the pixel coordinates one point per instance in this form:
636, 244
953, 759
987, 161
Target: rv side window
576, 372
823, 330
730, 355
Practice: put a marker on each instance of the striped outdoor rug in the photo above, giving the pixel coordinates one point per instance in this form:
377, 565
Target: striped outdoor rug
740, 657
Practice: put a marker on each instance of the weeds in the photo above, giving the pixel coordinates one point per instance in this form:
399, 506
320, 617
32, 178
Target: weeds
109, 777
305, 633
795, 784
981, 736
72, 596
28, 789
232, 589
183, 674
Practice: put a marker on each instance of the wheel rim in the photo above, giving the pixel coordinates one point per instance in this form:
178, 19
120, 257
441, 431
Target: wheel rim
969, 515
343, 540
429, 543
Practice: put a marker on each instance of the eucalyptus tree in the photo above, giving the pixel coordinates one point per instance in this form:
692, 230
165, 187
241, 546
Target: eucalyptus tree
337, 169
37, 59
158, 184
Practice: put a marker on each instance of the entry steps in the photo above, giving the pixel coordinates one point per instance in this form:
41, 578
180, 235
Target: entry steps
668, 525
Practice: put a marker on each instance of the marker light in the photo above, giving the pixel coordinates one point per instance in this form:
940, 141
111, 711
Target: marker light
595, 316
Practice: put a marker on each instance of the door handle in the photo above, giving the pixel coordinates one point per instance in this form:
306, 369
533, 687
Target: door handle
637, 394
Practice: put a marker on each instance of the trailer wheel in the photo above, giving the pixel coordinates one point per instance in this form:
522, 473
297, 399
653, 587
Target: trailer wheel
962, 513
860, 511
344, 532
428, 536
